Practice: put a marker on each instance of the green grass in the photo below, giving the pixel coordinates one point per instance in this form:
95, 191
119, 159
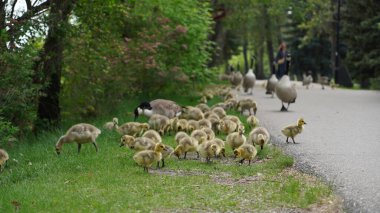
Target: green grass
109, 181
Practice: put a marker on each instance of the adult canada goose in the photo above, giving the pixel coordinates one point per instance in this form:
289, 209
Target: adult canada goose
164, 107
249, 78
285, 90
272, 81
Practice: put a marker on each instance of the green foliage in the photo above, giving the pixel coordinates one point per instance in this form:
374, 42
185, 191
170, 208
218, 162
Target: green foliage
17, 90
7, 131
144, 48
362, 35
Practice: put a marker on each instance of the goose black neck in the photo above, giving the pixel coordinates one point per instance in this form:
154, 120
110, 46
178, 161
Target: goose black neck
273, 68
287, 67
252, 60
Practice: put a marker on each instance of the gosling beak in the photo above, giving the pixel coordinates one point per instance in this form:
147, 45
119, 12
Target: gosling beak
58, 152
121, 145
304, 122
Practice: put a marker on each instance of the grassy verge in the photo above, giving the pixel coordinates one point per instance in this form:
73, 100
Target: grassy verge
37, 180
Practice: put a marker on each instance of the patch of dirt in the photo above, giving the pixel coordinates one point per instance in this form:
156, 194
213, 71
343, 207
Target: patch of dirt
228, 181
181, 172
230, 160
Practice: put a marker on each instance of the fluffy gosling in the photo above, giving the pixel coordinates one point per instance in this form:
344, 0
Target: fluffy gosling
154, 135
253, 121
200, 135
159, 123
179, 136
166, 153
4, 157
111, 125
259, 136
185, 145
208, 150
147, 157
79, 133
245, 152
221, 146
293, 130
236, 139
137, 144
132, 128
209, 132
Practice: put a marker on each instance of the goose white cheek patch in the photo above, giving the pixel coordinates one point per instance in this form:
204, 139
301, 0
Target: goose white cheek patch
139, 110
148, 112
178, 114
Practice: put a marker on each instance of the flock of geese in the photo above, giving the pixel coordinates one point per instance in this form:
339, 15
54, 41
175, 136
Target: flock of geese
195, 128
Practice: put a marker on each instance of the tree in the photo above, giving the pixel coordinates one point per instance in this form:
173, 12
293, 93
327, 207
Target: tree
52, 62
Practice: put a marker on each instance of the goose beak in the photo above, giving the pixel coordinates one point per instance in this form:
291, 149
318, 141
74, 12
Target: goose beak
136, 114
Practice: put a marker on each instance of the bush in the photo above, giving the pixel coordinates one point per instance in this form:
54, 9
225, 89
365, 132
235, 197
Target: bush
7, 132
18, 93
375, 83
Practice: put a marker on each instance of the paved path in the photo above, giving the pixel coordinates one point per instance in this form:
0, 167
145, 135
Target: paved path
341, 141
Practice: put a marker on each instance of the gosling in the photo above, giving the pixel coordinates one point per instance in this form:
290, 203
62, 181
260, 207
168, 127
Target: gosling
253, 121
179, 136
259, 136
185, 145
236, 139
132, 128
245, 152
208, 150
111, 125
79, 133
137, 144
293, 130
4, 157
154, 135
200, 135
147, 157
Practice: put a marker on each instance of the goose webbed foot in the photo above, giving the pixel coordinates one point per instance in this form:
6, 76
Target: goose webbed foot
283, 109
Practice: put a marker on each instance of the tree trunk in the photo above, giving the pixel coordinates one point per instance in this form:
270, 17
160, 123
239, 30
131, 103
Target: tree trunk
245, 54
3, 45
52, 60
268, 36
260, 62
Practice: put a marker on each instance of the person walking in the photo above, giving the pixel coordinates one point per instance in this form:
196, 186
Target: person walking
281, 60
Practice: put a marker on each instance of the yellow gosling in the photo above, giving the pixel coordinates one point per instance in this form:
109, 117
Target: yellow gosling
293, 130
245, 152
253, 121
221, 146
185, 145
236, 139
208, 150
147, 157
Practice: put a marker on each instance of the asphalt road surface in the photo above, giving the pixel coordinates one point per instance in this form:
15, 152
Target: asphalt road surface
340, 143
